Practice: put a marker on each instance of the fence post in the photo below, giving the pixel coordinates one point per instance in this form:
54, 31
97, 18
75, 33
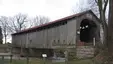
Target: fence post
44, 58
66, 56
11, 58
28, 57
3, 59
27, 60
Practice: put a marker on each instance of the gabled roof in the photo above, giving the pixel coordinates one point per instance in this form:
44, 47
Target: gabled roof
59, 20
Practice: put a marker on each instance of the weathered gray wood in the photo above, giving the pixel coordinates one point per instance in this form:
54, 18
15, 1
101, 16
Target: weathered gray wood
71, 32
55, 36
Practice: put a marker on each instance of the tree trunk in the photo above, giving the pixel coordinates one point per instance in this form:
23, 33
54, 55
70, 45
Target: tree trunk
110, 26
5, 36
105, 28
110, 32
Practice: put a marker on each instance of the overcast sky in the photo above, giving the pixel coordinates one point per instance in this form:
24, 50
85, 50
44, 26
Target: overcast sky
52, 8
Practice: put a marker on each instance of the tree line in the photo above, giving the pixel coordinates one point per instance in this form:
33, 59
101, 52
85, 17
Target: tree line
16, 23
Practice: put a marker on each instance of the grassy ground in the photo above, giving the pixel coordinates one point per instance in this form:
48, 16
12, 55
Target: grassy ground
40, 61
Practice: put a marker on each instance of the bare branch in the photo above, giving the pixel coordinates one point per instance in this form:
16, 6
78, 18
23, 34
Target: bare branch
39, 20
18, 22
105, 5
105, 1
3, 22
96, 1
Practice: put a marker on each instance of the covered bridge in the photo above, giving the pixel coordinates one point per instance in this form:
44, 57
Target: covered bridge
80, 29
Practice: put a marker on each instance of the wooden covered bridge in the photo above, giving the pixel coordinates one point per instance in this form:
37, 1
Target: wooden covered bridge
80, 29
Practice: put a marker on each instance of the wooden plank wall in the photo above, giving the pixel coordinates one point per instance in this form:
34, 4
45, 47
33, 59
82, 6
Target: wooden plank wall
48, 38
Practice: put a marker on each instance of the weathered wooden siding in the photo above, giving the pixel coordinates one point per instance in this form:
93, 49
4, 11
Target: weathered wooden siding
49, 38
71, 26
54, 37
59, 34
63, 34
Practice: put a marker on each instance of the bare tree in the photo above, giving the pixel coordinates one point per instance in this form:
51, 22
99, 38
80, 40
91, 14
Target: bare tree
18, 22
99, 8
12, 24
107, 27
110, 32
4, 26
102, 6
83, 5
39, 20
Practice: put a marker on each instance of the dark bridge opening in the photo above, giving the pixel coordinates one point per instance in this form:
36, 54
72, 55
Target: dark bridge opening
87, 31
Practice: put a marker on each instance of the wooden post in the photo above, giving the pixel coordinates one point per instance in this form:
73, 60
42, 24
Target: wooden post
11, 58
27, 59
11, 54
28, 56
66, 56
3, 59
44, 60
94, 41
28, 53
21, 50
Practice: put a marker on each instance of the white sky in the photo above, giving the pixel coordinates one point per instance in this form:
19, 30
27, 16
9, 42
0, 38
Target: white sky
54, 9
